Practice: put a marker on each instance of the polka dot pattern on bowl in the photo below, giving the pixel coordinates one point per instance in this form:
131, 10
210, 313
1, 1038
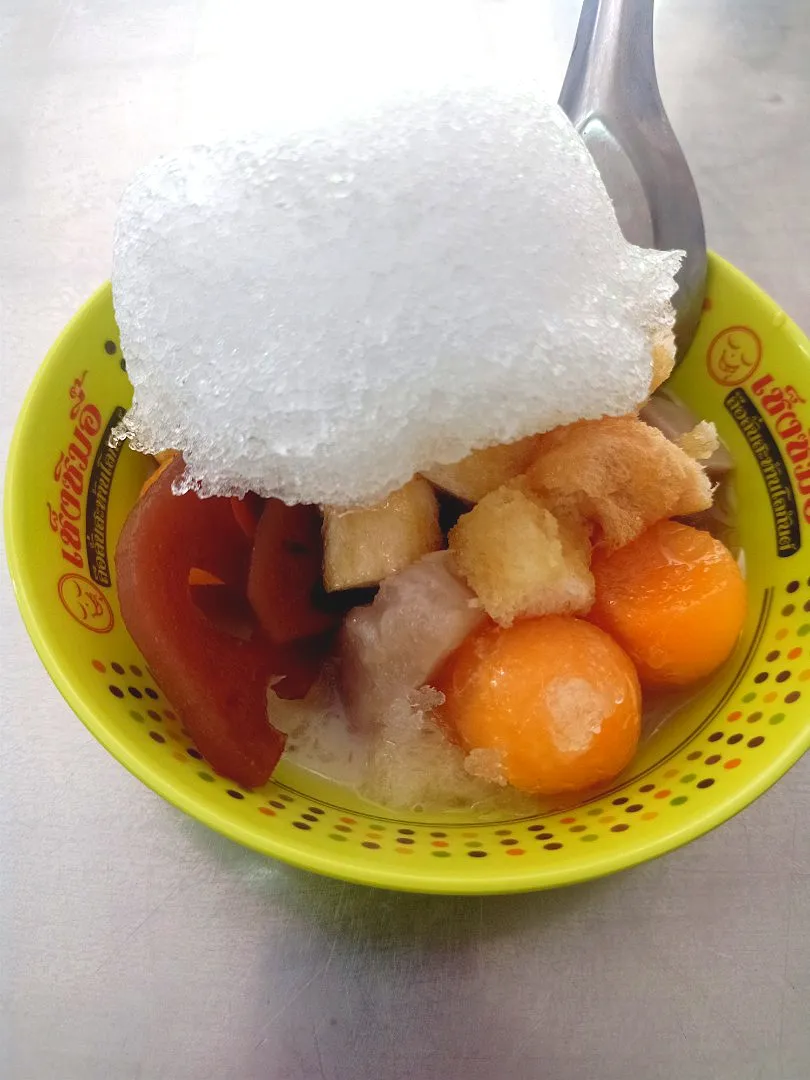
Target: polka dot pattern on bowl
726, 742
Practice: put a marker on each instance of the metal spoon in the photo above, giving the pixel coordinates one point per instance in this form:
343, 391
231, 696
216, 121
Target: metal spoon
610, 94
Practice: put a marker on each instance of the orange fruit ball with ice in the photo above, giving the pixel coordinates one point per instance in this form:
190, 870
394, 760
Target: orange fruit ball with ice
555, 698
674, 599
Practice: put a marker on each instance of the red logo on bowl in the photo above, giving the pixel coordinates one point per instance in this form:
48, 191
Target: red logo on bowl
72, 464
86, 603
734, 355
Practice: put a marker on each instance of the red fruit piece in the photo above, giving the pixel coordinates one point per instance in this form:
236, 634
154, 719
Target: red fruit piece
197, 577
247, 512
216, 682
226, 608
285, 572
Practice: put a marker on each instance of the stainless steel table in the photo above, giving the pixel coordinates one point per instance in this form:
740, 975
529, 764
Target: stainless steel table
136, 944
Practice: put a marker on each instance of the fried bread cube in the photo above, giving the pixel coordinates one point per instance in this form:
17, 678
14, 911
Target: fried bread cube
620, 474
362, 547
701, 443
483, 471
520, 559
698, 438
663, 360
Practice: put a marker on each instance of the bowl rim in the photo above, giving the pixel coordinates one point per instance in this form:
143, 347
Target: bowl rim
276, 845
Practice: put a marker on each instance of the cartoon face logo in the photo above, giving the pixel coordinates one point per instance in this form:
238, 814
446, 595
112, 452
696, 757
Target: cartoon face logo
734, 355
86, 603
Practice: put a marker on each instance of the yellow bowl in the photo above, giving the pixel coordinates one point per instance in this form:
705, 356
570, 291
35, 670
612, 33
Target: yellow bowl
68, 492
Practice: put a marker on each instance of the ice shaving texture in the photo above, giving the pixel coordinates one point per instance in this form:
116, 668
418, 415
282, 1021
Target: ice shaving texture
318, 734
404, 763
318, 315
413, 766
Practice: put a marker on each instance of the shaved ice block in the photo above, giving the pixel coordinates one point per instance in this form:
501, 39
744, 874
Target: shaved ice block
320, 314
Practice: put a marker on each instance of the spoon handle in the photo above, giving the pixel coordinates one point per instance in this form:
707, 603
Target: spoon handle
612, 66
610, 94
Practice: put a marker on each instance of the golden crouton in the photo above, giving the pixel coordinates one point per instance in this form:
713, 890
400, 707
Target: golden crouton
519, 559
619, 473
362, 547
701, 443
663, 361
483, 471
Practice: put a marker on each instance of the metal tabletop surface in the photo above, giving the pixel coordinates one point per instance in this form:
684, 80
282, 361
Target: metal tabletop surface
134, 943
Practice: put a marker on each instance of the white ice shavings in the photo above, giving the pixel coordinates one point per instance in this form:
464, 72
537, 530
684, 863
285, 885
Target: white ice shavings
319, 315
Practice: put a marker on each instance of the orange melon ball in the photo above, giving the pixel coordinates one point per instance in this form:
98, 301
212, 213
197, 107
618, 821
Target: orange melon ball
555, 697
674, 599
